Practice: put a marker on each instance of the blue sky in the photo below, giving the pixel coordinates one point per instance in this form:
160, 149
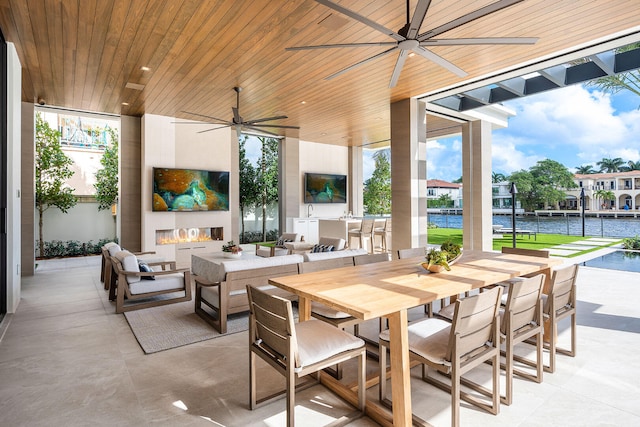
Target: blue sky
575, 125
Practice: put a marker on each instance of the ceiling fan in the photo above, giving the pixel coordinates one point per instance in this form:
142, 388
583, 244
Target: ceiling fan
256, 125
408, 39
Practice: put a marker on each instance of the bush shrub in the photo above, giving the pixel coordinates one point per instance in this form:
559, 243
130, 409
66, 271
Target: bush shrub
60, 249
631, 243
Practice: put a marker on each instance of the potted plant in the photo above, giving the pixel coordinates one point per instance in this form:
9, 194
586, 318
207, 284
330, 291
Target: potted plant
437, 260
231, 250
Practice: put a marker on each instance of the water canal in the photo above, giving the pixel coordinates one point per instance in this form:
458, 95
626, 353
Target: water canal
570, 225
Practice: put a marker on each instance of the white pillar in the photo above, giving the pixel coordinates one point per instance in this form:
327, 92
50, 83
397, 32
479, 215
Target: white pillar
408, 174
476, 179
356, 182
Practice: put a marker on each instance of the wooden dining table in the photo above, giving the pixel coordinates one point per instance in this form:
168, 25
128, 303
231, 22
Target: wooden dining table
389, 289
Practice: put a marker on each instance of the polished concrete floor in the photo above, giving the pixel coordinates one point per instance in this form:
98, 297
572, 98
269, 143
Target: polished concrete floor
66, 359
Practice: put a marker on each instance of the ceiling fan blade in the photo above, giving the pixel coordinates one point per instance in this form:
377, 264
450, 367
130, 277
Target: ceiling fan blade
236, 115
366, 21
440, 61
266, 119
255, 129
274, 126
418, 18
483, 11
402, 56
216, 128
208, 117
341, 45
351, 67
480, 40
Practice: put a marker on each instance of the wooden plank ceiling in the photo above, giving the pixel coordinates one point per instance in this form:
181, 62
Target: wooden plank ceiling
83, 54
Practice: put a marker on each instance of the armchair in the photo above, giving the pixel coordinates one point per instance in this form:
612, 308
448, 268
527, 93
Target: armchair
134, 284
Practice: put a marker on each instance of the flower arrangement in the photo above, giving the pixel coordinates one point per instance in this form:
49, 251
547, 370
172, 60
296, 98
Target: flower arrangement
231, 247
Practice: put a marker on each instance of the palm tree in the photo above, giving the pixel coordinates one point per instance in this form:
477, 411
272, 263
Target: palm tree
497, 177
614, 84
631, 166
610, 165
604, 195
585, 169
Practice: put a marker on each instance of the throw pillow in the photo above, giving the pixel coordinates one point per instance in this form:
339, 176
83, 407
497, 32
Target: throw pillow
145, 268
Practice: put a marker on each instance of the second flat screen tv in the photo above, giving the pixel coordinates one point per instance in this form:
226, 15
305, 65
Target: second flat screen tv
190, 190
325, 188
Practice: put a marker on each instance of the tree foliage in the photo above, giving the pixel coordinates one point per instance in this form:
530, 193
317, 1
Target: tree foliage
377, 189
52, 168
267, 178
107, 178
542, 185
585, 169
610, 165
497, 177
249, 190
629, 80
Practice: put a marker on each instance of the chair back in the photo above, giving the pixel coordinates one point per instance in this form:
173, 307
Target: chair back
528, 252
323, 264
366, 226
522, 303
563, 289
474, 323
271, 326
370, 259
411, 253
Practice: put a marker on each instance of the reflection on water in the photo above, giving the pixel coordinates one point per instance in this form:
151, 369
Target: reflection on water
604, 227
618, 260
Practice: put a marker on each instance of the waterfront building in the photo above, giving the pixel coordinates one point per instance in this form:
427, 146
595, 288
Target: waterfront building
437, 188
625, 187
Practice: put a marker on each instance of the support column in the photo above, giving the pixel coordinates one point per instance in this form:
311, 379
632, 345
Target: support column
356, 182
477, 216
290, 183
408, 174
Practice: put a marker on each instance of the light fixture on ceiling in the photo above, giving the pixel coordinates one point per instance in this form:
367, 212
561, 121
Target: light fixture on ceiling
143, 68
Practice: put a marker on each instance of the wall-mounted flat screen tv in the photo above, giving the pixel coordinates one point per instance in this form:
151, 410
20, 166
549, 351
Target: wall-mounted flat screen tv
325, 188
190, 190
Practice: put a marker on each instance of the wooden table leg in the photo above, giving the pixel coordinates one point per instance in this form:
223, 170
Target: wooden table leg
400, 368
304, 309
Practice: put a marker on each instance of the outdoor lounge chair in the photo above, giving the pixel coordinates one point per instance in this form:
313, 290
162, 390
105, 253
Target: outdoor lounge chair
143, 286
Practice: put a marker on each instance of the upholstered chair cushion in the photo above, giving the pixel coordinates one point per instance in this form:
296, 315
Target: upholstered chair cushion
113, 249
435, 347
129, 263
334, 341
162, 283
328, 312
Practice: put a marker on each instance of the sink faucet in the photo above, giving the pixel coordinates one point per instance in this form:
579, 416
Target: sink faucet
309, 210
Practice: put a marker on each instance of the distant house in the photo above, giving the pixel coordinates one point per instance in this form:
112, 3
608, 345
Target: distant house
437, 188
625, 187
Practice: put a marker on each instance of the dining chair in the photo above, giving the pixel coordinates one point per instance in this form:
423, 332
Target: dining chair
371, 258
384, 233
521, 320
297, 349
364, 232
559, 304
454, 349
411, 253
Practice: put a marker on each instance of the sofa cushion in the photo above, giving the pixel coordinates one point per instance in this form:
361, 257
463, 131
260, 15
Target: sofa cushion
337, 243
321, 248
145, 268
334, 254
217, 271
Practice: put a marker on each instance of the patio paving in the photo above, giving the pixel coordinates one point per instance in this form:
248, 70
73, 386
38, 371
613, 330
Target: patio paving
67, 359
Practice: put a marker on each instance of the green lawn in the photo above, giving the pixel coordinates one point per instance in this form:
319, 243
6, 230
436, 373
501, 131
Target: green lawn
437, 236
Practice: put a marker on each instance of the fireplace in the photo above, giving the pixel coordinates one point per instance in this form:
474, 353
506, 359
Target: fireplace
188, 235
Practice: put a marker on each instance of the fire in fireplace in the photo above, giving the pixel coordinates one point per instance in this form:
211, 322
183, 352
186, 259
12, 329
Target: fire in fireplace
188, 235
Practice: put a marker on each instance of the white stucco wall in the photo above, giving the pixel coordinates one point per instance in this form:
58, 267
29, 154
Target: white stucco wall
83, 222
14, 117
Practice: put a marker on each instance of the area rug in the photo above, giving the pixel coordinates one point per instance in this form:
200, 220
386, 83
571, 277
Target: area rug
175, 325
